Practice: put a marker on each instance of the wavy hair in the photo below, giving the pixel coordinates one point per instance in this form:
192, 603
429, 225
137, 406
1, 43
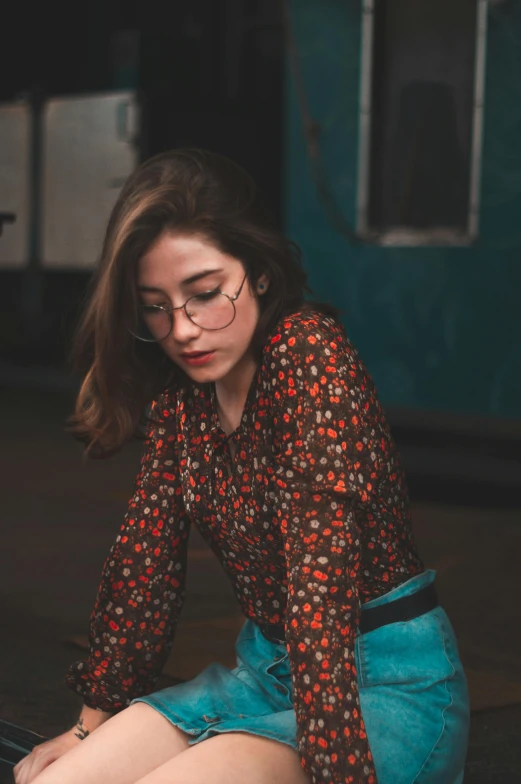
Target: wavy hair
186, 191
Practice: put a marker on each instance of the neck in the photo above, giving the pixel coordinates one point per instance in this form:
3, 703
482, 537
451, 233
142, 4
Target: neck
232, 390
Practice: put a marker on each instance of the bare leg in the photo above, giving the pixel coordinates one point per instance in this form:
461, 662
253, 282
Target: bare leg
123, 750
230, 758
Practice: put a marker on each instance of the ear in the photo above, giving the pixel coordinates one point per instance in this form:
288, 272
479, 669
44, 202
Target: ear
262, 284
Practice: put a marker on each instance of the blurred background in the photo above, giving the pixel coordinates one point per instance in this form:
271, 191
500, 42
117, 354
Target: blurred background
387, 136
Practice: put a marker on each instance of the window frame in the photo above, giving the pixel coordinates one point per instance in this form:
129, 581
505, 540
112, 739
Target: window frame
410, 236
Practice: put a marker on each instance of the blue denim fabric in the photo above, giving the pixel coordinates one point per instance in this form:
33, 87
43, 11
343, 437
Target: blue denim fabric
254, 697
413, 695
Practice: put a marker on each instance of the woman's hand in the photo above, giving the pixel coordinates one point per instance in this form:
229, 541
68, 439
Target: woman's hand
46, 753
43, 755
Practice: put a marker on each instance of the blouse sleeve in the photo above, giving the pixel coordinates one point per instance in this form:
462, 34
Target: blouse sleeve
142, 588
321, 424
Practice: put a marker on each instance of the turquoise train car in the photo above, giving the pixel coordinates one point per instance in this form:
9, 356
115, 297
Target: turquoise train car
403, 190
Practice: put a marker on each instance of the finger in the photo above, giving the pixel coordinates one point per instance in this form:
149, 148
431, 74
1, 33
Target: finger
26, 771
40, 763
24, 766
33, 765
18, 770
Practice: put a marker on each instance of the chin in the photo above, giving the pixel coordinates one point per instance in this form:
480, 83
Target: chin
205, 375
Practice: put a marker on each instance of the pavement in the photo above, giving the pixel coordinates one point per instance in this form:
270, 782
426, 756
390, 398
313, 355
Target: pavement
60, 513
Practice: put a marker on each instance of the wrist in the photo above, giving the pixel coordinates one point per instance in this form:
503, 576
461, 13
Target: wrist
80, 730
89, 720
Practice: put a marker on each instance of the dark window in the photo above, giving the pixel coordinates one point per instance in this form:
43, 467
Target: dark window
422, 95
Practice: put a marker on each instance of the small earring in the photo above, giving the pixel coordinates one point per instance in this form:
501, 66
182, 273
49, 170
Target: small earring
261, 287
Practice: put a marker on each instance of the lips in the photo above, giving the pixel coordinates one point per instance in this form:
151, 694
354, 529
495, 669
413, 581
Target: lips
198, 358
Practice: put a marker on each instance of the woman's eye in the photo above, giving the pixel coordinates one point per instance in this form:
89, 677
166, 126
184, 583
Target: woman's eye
207, 295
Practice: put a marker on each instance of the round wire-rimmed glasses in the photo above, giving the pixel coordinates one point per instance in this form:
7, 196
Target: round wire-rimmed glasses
211, 310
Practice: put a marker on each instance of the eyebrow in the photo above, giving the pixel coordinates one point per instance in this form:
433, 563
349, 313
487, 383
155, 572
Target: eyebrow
186, 282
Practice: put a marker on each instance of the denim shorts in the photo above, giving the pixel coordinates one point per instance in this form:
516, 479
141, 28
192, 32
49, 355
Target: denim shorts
413, 695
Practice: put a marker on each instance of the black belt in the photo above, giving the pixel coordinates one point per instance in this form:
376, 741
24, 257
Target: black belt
399, 610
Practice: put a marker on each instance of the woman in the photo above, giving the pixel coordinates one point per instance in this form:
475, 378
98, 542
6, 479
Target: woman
265, 432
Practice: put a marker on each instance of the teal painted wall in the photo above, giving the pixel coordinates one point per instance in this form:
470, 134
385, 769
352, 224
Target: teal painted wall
439, 328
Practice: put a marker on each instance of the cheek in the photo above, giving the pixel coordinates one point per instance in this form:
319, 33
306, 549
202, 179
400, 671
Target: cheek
246, 329
169, 351
242, 329
249, 314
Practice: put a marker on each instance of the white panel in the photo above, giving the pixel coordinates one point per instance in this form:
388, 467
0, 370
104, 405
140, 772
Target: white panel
14, 183
89, 151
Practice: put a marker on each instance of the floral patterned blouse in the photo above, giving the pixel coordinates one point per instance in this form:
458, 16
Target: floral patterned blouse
309, 519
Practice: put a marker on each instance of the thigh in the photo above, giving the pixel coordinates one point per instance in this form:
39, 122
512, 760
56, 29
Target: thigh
123, 750
232, 757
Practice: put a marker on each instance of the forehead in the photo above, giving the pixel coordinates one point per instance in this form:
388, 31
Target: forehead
173, 258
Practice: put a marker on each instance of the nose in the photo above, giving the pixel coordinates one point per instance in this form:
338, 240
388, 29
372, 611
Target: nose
183, 329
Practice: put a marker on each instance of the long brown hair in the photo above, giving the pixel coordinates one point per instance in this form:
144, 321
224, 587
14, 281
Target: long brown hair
187, 191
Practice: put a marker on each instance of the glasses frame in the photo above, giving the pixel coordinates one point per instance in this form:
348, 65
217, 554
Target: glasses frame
170, 311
